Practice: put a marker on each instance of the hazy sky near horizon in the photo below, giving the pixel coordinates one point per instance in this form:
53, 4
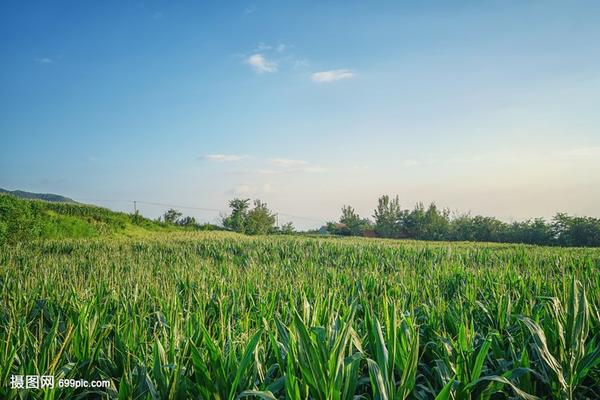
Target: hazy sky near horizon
489, 106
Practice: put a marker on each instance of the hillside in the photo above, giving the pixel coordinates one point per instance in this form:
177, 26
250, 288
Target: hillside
22, 219
38, 196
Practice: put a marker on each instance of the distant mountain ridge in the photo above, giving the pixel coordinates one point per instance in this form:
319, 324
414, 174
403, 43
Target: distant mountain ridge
55, 198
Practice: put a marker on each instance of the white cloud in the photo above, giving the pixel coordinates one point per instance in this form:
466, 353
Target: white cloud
286, 162
333, 75
243, 189
271, 166
43, 60
249, 189
268, 188
223, 157
260, 64
262, 46
311, 169
289, 166
549, 156
290, 170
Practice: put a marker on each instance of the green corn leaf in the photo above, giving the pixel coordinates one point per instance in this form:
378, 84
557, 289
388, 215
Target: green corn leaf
244, 362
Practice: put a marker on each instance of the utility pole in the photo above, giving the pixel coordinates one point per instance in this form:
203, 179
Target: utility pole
277, 218
135, 207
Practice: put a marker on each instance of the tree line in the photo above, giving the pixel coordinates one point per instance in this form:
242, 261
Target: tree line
258, 220
390, 220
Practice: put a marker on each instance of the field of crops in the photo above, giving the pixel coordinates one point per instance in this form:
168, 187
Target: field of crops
222, 316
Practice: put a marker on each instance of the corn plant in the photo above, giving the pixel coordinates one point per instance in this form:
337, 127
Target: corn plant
565, 354
216, 315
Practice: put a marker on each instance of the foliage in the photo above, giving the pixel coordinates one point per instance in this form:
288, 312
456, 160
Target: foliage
351, 224
391, 221
259, 220
18, 219
23, 220
388, 216
187, 221
217, 315
287, 228
576, 231
256, 221
171, 216
239, 213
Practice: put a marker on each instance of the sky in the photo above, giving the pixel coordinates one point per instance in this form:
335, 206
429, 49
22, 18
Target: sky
490, 107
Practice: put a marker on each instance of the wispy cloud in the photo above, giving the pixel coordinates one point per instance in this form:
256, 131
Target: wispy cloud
260, 64
410, 163
223, 157
250, 9
300, 62
43, 60
243, 189
286, 162
507, 157
271, 166
332, 75
262, 47
280, 166
248, 189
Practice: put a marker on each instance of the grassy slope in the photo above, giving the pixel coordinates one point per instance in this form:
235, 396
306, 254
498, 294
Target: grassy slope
33, 219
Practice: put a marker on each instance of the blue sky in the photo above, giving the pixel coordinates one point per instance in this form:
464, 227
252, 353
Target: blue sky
486, 106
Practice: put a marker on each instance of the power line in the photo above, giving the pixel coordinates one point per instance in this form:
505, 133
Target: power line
299, 217
135, 202
178, 206
105, 201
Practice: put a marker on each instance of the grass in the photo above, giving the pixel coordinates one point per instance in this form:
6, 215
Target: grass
23, 220
223, 316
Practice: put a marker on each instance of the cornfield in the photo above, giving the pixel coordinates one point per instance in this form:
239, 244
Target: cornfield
223, 316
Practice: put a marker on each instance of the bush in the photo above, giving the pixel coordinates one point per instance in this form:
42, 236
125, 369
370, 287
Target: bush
19, 219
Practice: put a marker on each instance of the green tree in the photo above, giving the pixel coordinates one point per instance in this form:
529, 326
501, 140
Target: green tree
287, 228
461, 228
19, 220
477, 229
187, 222
171, 216
576, 231
414, 222
436, 223
259, 220
535, 231
388, 217
352, 223
236, 221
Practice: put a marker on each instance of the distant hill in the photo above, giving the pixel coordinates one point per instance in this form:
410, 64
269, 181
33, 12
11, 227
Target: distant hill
55, 198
